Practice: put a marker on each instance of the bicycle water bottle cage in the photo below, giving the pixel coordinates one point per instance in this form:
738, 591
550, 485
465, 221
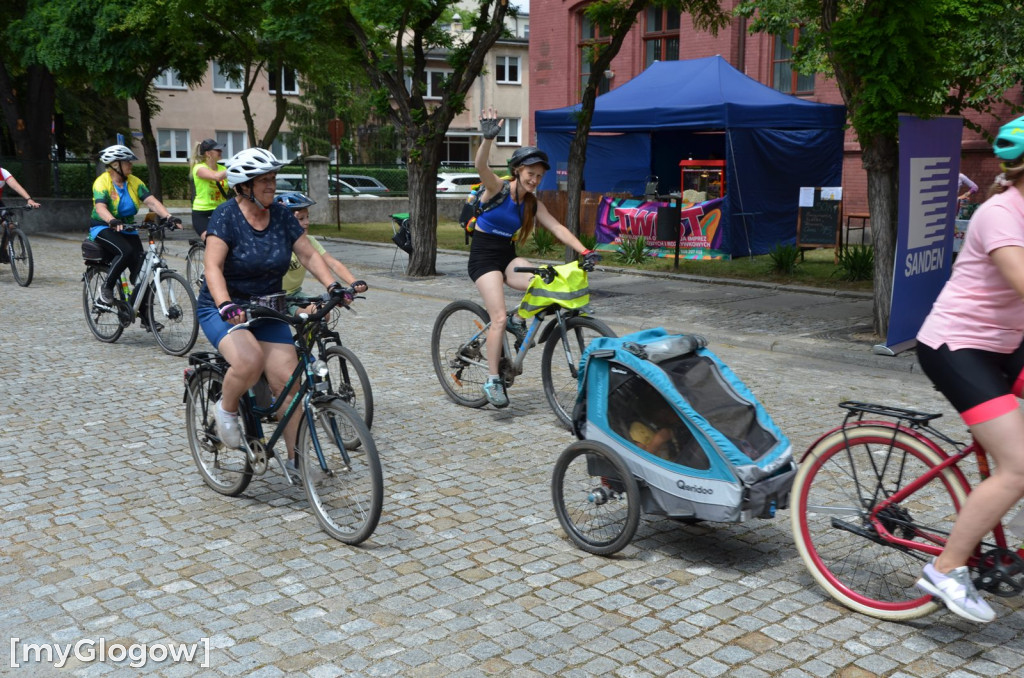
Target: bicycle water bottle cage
93, 253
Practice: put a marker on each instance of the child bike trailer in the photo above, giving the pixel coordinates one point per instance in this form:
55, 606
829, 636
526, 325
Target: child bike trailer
666, 428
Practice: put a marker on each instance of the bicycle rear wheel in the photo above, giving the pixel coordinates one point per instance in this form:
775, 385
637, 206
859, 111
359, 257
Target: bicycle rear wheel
104, 324
457, 348
226, 470
560, 373
194, 265
176, 328
346, 492
842, 478
20, 253
348, 380
596, 497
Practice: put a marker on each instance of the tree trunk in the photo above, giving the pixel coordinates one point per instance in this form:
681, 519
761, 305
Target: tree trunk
423, 208
30, 132
149, 144
881, 161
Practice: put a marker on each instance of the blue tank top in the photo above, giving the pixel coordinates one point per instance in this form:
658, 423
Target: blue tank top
504, 220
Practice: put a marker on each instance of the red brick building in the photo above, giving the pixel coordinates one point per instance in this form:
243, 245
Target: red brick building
560, 33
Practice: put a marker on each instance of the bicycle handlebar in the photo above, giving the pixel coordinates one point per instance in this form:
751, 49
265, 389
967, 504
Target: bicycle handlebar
328, 301
547, 273
10, 208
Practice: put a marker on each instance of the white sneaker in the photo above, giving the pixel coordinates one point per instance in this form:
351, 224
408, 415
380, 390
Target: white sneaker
228, 430
957, 591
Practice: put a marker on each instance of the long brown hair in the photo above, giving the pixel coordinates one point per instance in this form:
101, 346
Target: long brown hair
529, 212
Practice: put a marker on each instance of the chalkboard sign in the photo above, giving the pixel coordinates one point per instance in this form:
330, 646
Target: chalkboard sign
819, 224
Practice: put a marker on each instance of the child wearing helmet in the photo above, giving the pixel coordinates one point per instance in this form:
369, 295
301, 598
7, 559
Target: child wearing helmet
492, 256
299, 205
971, 346
117, 195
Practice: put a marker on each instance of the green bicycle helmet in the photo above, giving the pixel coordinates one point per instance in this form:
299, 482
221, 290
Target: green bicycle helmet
1009, 143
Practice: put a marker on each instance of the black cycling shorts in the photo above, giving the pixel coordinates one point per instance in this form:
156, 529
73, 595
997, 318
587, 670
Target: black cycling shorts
981, 385
490, 253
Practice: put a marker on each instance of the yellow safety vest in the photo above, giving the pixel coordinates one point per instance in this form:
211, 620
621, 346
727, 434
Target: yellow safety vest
569, 290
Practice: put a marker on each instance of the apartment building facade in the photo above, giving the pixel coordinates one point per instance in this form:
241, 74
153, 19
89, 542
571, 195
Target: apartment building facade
213, 109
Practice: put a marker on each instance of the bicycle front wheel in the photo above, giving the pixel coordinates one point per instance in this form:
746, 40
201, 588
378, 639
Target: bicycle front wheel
226, 470
172, 314
458, 349
346, 491
596, 497
348, 380
840, 481
103, 323
20, 254
560, 363
195, 267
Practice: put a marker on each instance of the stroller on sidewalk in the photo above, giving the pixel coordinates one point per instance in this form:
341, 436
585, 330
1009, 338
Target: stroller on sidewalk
666, 428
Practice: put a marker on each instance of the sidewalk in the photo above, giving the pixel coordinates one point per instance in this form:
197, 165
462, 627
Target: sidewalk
796, 320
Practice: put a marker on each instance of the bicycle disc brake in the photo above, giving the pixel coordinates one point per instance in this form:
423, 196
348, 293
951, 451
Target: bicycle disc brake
257, 453
999, 572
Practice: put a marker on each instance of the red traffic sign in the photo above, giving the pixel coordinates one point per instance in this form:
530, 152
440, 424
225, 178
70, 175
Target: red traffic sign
336, 128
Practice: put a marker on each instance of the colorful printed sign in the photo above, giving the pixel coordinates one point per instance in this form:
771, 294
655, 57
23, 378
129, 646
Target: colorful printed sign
700, 235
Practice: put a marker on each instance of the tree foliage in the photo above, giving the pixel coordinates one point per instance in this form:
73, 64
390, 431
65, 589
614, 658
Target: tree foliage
923, 58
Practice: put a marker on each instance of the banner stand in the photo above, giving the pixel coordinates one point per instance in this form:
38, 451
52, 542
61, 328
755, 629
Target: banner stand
895, 349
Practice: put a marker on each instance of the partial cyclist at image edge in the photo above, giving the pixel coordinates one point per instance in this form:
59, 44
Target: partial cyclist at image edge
971, 346
7, 179
511, 214
299, 204
209, 179
249, 244
117, 195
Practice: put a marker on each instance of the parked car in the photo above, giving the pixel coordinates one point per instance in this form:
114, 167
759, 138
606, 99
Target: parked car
456, 182
355, 184
344, 184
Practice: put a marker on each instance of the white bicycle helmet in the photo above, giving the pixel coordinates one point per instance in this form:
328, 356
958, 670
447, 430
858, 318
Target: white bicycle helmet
115, 153
249, 164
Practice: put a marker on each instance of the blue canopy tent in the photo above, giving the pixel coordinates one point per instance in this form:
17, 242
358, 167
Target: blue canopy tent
773, 143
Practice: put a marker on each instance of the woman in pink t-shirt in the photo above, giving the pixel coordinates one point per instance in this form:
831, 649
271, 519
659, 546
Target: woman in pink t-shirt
971, 346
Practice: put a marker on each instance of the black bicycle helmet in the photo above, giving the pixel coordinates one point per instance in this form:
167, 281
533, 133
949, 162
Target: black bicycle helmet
294, 200
529, 155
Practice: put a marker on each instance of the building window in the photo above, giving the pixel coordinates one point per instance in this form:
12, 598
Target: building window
233, 142
506, 70
456, 151
169, 79
590, 40
661, 35
784, 77
173, 144
290, 79
435, 84
281, 150
222, 83
509, 133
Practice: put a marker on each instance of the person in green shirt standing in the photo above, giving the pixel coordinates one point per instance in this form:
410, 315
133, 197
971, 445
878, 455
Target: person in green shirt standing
209, 177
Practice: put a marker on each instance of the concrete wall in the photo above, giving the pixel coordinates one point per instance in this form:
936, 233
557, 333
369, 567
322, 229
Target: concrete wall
370, 210
56, 214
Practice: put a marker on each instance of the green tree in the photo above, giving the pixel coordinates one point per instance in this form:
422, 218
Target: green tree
393, 41
887, 58
616, 18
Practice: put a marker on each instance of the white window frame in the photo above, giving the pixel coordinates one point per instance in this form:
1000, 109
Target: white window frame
282, 150
234, 141
281, 78
178, 142
169, 79
510, 132
508, 61
234, 86
431, 74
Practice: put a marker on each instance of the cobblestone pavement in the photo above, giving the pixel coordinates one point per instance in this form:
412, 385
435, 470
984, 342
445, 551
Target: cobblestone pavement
109, 533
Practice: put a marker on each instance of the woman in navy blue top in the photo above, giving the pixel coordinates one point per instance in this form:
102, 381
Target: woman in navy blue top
249, 244
512, 210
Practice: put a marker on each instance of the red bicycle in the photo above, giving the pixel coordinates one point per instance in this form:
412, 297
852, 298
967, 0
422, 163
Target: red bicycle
875, 499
